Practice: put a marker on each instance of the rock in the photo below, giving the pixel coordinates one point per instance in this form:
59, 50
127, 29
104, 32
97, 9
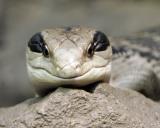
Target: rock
106, 107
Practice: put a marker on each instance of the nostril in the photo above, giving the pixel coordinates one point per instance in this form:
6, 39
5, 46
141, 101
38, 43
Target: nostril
75, 65
70, 70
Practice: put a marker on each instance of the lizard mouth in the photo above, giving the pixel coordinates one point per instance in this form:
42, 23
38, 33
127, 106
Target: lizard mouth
74, 76
41, 76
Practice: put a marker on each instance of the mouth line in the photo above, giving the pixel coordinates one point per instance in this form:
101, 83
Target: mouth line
65, 78
74, 77
68, 78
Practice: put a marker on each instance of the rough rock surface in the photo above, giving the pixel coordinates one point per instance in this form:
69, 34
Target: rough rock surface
106, 107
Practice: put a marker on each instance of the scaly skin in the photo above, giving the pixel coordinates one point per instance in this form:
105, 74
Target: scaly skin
66, 57
139, 61
76, 57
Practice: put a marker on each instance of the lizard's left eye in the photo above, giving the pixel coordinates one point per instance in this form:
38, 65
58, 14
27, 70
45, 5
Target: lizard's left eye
100, 43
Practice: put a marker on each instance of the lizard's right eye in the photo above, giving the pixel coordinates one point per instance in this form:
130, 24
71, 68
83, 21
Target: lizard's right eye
36, 43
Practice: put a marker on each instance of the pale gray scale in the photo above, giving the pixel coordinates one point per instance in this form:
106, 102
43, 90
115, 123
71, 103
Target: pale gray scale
141, 74
131, 71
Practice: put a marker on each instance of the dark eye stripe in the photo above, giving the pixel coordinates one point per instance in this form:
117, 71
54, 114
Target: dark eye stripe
100, 41
36, 43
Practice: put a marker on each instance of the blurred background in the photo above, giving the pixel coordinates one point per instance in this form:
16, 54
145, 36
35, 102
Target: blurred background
20, 19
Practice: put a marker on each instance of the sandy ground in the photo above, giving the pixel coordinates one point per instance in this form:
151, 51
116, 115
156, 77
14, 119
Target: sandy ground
21, 19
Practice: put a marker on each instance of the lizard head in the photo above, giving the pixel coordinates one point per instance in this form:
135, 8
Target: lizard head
75, 56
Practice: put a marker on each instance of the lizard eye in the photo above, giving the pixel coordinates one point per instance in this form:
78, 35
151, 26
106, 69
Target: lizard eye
100, 43
36, 44
45, 51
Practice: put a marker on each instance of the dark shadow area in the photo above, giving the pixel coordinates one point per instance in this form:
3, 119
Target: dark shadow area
88, 88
